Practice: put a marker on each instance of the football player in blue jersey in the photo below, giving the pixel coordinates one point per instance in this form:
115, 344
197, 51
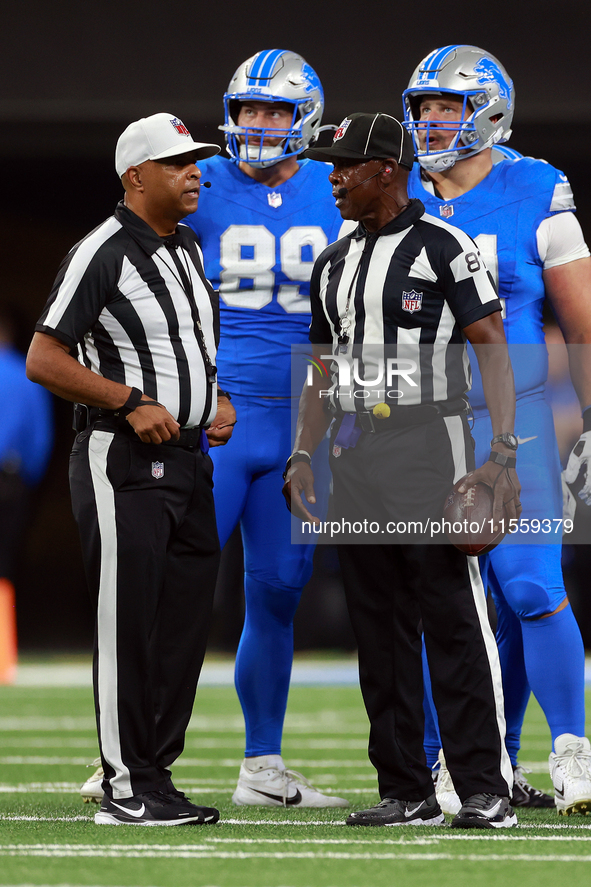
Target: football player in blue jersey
458, 108
262, 224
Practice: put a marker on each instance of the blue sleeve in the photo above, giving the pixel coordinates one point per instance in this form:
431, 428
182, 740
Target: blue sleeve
38, 443
26, 430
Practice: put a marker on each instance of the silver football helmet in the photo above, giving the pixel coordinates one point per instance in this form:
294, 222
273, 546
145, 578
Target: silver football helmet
273, 75
478, 79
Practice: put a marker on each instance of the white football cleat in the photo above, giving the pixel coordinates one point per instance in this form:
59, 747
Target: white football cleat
570, 769
92, 790
444, 788
265, 782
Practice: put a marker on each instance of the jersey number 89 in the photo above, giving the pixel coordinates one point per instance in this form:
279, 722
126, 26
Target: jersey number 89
248, 252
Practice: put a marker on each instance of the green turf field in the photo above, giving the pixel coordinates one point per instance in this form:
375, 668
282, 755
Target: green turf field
48, 837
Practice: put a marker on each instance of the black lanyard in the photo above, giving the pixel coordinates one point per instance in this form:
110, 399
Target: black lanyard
184, 281
344, 320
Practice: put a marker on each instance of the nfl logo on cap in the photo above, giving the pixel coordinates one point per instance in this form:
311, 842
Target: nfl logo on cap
342, 129
180, 127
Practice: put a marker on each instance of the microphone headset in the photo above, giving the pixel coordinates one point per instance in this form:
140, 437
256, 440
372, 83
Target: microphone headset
206, 184
342, 192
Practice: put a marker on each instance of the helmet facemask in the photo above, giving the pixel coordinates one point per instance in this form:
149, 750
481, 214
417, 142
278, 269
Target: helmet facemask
247, 142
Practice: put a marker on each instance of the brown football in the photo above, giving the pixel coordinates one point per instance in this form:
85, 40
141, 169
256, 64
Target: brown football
468, 519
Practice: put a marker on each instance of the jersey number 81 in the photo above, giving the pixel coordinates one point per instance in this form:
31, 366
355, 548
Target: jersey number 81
248, 252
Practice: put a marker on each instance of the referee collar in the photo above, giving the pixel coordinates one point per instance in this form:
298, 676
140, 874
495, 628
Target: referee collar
411, 214
144, 235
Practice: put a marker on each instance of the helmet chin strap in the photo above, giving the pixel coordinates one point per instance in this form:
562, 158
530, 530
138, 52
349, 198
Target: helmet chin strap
258, 157
438, 164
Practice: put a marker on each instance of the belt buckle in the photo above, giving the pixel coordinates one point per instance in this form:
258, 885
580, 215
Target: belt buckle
366, 422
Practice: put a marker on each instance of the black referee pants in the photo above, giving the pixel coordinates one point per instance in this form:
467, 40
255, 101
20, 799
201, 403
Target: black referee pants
147, 524
392, 589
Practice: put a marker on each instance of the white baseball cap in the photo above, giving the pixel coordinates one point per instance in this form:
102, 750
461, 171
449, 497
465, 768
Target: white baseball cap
154, 138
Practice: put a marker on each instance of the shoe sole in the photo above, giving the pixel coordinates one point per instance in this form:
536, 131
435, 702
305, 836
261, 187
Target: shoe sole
435, 820
91, 799
111, 819
581, 807
474, 822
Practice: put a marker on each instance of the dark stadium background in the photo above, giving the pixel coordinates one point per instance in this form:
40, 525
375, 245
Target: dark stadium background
73, 75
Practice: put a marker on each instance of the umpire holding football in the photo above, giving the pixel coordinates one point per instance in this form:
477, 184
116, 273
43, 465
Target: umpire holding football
129, 335
404, 280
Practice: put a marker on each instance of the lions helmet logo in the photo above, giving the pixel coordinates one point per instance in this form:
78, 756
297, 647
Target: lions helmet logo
489, 72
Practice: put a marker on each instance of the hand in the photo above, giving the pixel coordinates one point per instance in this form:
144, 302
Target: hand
505, 486
220, 430
153, 423
300, 479
580, 460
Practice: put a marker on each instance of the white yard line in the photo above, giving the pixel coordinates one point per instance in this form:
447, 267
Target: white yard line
51, 760
203, 852
205, 842
7, 817
33, 723
559, 826
331, 723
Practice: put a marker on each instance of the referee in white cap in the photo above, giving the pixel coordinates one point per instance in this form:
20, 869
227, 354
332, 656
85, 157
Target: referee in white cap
129, 334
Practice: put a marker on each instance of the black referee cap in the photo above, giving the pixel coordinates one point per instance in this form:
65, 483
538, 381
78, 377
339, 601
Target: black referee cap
364, 136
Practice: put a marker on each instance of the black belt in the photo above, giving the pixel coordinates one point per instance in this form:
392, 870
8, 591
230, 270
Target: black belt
403, 416
188, 437
105, 420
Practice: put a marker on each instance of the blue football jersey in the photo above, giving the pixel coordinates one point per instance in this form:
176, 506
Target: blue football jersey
502, 215
259, 246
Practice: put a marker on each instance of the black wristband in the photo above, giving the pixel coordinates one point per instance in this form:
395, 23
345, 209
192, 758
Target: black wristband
223, 394
502, 459
131, 403
587, 420
296, 457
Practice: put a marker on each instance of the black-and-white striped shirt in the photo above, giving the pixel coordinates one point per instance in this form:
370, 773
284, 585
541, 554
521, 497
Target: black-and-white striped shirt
403, 294
131, 304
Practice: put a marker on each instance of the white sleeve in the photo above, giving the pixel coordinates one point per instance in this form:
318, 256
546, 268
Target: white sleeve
561, 240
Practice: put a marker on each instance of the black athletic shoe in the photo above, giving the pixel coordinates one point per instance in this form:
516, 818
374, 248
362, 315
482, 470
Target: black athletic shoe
394, 812
153, 808
525, 795
209, 814
485, 811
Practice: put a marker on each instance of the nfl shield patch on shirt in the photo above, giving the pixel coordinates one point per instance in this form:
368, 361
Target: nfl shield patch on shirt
412, 301
157, 469
446, 211
275, 199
